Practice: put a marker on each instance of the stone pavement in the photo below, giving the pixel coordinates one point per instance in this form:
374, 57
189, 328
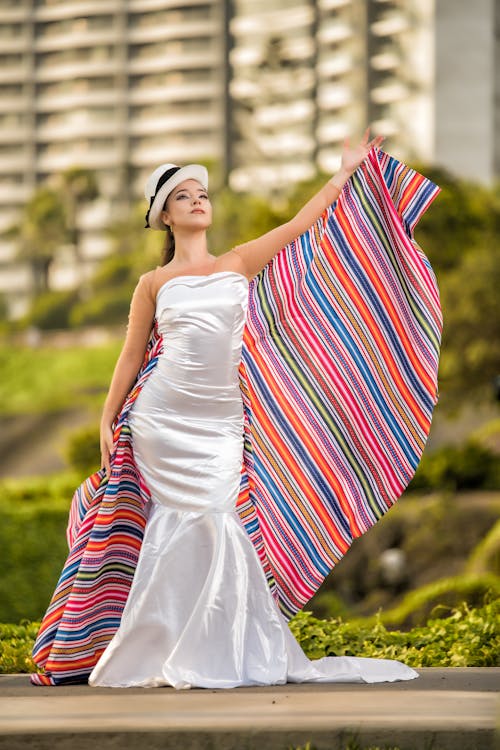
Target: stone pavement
442, 710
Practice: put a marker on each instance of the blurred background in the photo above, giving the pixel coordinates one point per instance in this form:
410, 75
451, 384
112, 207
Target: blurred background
94, 94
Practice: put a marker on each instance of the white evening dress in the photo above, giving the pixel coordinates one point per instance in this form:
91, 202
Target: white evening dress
200, 612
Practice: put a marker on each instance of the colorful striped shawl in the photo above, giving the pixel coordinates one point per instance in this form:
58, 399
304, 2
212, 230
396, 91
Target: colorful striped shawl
338, 379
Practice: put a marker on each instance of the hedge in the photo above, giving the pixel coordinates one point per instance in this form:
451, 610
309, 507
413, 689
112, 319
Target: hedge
34, 515
467, 638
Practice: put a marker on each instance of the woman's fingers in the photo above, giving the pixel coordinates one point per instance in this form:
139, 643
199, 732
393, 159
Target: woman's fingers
375, 142
105, 460
106, 449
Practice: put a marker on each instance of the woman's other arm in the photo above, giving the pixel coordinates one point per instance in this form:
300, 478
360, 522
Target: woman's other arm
254, 255
140, 321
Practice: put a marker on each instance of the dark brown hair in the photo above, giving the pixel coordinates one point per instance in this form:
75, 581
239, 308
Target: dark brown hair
168, 251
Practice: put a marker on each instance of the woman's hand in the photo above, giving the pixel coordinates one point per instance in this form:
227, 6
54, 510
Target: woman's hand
106, 447
353, 157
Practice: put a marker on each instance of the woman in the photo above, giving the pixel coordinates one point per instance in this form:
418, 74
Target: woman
200, 611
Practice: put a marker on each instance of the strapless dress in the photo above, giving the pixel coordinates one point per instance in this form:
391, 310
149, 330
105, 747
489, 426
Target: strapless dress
200, 612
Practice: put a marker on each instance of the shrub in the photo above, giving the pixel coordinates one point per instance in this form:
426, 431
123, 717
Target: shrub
486, 555
440, 597
467, 638
51, 310
471, 466
32, 543
83, 450
108, 307
16, 642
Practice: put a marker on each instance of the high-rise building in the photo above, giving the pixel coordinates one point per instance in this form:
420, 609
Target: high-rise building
117, 86
306, 73
467, 88
268, 89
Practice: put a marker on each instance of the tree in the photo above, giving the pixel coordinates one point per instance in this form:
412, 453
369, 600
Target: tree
463, 217
471, 336
41, 231
78, 187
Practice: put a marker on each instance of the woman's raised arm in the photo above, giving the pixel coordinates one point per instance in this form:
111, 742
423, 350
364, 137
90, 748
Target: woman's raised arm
140, 321
255, 254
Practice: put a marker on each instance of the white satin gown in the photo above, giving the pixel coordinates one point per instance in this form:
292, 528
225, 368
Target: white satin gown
200, 613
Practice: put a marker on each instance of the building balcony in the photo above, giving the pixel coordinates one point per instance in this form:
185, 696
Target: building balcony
11, 195
57, 102
333, 96
191, 149
275, 86
19, 43
15, 14
385, 61
141, 6
334, 4
208, 57
287, 145
387, 126
76, 9
15, 162
389, 93
68, 131
334, 33
262, 23
15, 279
15, 103
271, 176
162, 32
211, 119
175, 92
82, 69
290, 112
15, 74
332, 132
15, 134
92, 158
335, 65
76, 39
389, 26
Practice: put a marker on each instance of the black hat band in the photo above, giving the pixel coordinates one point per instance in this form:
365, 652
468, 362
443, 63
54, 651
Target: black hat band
163, 179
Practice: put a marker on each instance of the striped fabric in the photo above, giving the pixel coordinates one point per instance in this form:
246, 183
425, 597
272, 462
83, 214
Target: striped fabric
338, 379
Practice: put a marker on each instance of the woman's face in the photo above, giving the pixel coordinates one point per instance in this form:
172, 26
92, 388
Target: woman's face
188, 207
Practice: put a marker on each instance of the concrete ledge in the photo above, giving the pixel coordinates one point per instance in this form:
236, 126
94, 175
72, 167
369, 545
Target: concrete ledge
448, 708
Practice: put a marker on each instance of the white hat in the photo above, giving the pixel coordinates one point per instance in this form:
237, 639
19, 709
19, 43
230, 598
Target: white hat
160, 184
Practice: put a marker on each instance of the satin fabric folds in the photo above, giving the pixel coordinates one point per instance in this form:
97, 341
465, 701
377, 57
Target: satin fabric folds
337, 378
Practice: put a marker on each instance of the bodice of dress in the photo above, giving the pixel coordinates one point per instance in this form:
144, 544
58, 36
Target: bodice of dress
202, 319
187, 422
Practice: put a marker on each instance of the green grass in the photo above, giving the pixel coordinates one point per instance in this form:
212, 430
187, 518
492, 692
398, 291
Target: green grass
41, 380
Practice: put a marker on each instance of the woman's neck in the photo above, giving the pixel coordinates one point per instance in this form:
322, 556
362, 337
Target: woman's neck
191, 250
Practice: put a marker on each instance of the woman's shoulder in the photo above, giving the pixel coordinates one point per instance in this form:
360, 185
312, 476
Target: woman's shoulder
146, 284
